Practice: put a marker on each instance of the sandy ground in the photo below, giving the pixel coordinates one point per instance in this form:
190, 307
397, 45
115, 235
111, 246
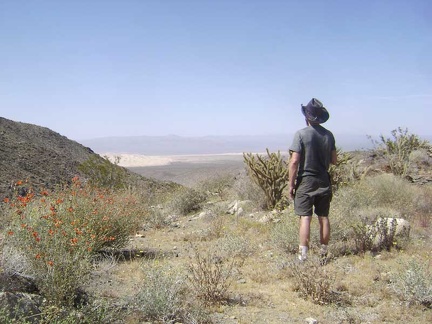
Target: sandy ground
137, 160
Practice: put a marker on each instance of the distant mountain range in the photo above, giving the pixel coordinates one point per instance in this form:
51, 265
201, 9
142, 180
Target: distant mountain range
177, 145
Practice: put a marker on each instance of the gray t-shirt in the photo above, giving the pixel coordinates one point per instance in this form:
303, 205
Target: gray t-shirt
315, 145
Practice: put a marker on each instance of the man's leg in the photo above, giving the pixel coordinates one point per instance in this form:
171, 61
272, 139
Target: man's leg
304, 236
324, 237
324, 229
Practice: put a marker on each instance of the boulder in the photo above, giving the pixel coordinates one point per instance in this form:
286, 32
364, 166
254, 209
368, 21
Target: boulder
237, 207
389, 231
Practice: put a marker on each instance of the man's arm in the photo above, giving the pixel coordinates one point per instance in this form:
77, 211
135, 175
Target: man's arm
334, 157
292, 172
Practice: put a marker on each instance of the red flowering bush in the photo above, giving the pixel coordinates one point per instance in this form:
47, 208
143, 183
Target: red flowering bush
56, 234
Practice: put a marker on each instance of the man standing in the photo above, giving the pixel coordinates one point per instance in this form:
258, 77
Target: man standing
312, 151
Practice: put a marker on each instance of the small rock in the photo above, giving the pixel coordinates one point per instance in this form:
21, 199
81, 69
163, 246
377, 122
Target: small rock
311, 320
265, 219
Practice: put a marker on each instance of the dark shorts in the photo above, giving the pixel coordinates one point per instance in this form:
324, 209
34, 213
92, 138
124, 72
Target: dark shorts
312, 192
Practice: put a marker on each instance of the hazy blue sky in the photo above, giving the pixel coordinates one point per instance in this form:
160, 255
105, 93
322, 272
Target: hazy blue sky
94, 68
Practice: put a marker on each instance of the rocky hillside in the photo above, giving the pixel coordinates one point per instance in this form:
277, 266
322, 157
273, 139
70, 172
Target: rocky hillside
41, 156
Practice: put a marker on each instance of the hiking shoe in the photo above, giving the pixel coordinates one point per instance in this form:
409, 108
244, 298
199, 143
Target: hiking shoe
302, 258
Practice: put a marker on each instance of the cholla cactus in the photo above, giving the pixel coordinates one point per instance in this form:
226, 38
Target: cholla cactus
270, 173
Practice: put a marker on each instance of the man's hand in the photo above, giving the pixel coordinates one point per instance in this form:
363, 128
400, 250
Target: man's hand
291, 192
292, 172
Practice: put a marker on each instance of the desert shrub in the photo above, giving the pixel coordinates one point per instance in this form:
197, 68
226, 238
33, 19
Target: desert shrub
164, 297
246, 189
160, 296
422, 158
210, 275
388, 191
357, 206
383, 190
186, 200
56, 235
314, 281
284, 234
413, 282
397, 149
373, 232
157, 217
218, 185
423, 206
270, 173
216, 228
346, 171
339, 172
101, 172
95, 312
237, 246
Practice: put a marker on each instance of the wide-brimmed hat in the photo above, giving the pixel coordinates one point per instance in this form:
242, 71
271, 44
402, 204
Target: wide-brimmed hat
315, 112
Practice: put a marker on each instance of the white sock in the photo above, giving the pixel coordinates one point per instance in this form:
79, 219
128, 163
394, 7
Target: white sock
303, 250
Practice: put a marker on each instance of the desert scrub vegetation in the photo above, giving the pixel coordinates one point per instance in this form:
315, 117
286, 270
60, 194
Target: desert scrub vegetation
412, 282
53, 236
210, 275
210, 266
244, 188
402, 149
170, 294
163, 295
102, 173
284, 234
219, 186
314, 282
347, 170
357, 210
186, 200
271, 174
